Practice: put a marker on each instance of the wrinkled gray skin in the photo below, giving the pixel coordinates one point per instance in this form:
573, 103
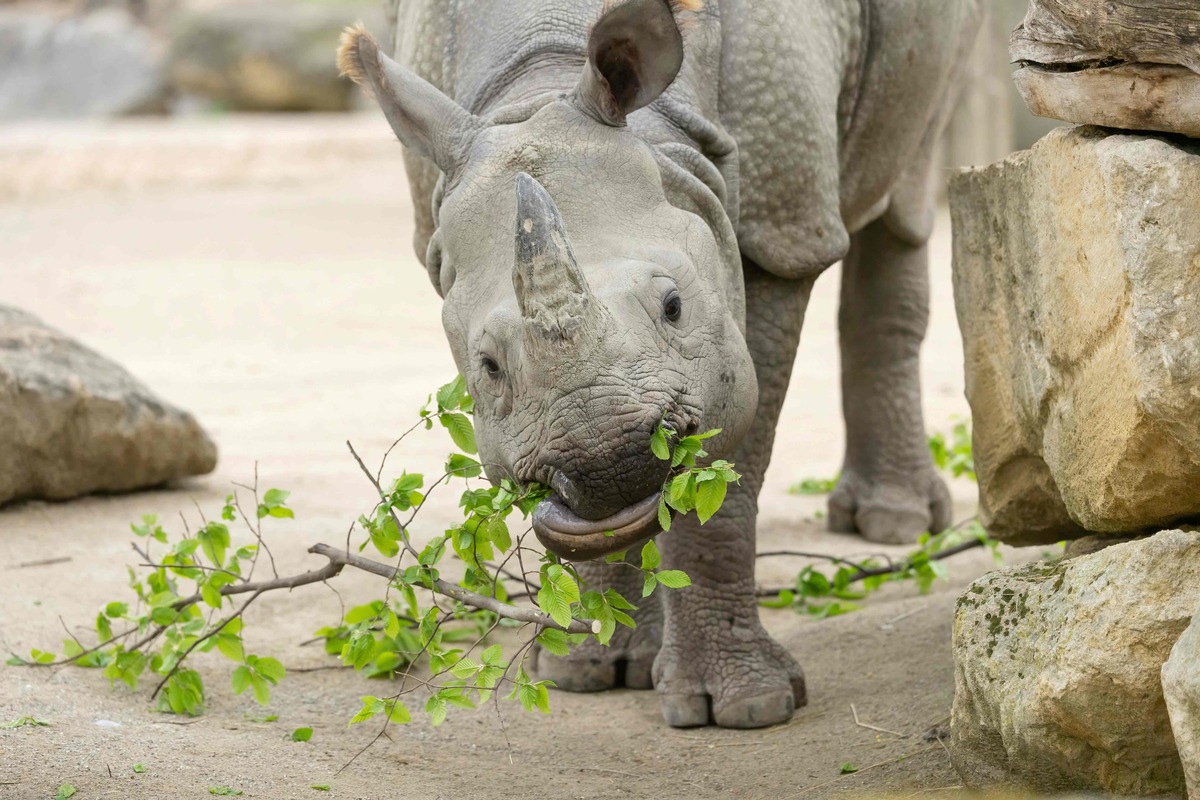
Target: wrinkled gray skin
560, 233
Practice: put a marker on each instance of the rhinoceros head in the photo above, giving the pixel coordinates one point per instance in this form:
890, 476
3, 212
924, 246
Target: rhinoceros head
581, 306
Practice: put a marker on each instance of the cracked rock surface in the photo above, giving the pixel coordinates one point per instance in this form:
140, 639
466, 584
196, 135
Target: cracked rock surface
1076, 270
1057, 670
73, 422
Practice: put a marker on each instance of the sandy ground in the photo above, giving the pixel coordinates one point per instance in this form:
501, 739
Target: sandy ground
290, 317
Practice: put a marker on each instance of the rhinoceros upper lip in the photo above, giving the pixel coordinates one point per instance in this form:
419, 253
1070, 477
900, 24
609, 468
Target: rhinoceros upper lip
569, 536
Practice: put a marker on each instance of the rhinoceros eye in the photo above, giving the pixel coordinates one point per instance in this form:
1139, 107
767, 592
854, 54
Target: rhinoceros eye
490, 366
672, 307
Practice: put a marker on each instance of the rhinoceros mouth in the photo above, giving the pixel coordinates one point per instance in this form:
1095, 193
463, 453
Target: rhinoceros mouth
574, 538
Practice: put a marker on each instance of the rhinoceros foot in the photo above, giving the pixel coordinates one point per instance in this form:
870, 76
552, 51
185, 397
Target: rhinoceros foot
896, 510
746, 681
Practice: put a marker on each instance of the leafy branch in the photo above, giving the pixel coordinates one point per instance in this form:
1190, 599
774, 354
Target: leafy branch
199, 586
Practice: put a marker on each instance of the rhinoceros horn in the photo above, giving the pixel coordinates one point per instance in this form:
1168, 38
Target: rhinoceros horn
551, 288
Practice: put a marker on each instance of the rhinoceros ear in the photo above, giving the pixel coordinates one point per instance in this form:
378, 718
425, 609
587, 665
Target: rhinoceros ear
424, 119
634, 53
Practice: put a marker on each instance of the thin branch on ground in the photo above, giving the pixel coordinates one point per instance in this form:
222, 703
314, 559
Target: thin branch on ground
861, 724
875, 572
452, 591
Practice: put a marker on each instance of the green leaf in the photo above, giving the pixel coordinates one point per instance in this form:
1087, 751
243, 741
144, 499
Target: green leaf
551, 600
320, 787
25, 722
651, 558
664, 514
210, 592
814, 486
709, 497
462, 466
658, 444
369, 707
240, 679
302, 734
65, 791
214, 541
451, 395
41, 656
139, 768
164, 615
436, 709
270, 669
847, 768
649, 583
673, 578
260, 688
224, 791
385, 535
116, 610
554, 641
461, 431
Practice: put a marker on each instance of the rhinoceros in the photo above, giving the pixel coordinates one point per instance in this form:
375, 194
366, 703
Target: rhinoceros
624, 205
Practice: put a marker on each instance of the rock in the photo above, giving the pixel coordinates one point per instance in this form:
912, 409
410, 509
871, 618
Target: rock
101, 64
1181, 688
1076, 279
266, 56
72, 422
1057, 684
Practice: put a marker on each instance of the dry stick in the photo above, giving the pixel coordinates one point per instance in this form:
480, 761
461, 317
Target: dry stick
802, 554
854, 711
864, 769
45, 562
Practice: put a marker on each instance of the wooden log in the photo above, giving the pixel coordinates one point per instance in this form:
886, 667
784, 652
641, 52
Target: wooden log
1131, 64
1081, 31
1142, 97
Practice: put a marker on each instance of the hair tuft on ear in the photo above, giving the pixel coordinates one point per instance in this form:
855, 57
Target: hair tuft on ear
349, 55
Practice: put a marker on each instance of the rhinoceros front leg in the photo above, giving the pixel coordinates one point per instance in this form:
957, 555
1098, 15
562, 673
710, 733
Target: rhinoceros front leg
717, 663
888, 490
626, 660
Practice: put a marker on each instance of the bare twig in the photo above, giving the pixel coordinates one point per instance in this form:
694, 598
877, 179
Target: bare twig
802, 554
864, 769
860, 724
45, 562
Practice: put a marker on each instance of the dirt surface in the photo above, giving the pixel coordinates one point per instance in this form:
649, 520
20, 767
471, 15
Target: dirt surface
292, 317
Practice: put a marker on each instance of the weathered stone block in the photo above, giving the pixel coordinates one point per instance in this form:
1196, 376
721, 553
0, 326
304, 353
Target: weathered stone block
1077, 283
1181, 688
94, 65
73, 422
267, 56
1057, 670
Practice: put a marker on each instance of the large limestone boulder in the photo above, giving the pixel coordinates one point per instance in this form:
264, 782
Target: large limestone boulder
267, 56
73, 422
101, 64
1077, 284
1181, 688
1057, 670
